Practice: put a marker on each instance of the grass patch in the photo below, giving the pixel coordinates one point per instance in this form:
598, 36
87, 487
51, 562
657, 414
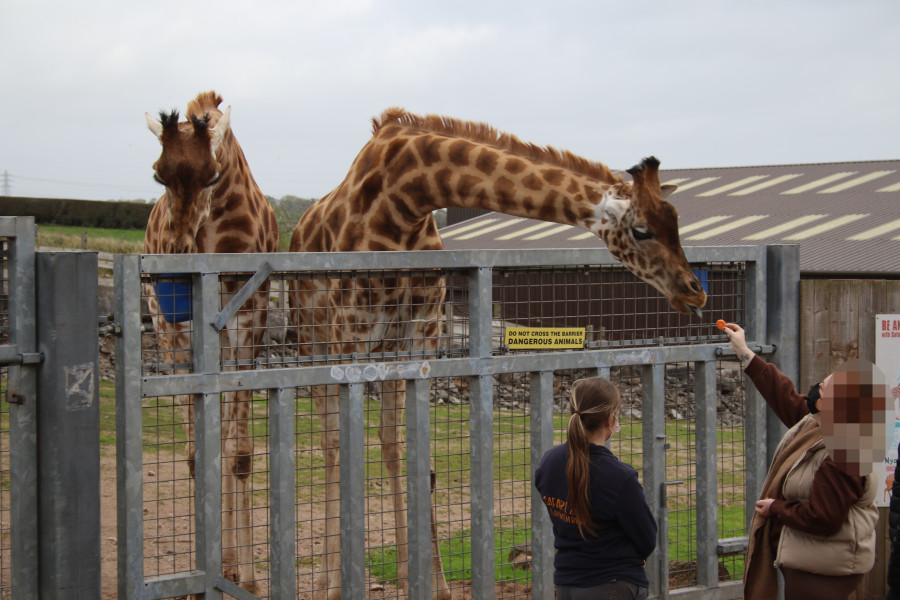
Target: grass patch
456, 554
114, 241
451, 454
107, 416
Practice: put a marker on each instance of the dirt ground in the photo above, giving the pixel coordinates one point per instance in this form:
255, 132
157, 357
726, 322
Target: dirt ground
171, 555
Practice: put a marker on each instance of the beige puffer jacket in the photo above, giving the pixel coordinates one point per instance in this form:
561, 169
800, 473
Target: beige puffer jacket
850, 550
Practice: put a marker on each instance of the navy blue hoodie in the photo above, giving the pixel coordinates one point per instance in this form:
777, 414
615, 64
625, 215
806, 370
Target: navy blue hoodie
625, 528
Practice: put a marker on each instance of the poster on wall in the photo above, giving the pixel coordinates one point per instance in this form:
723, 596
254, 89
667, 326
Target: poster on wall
887, 359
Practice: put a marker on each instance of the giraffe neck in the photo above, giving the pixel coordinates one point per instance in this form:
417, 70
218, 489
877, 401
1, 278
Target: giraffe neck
443, 172
235, 172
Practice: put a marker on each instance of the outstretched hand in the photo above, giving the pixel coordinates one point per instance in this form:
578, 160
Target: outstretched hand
738, 340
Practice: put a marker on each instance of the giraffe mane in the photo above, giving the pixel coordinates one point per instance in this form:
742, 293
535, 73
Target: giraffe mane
488, 134
204, 104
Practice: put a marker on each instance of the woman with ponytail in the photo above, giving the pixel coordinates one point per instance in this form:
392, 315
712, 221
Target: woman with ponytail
603, 528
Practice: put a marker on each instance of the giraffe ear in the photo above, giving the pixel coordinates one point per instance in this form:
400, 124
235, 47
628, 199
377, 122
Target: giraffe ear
155, 126
219, 131
668, 189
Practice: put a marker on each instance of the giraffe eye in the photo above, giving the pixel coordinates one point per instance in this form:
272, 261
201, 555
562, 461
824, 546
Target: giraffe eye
641, 233
214, 180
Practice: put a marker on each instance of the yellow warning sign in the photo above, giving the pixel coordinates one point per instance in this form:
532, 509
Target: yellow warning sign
538, 338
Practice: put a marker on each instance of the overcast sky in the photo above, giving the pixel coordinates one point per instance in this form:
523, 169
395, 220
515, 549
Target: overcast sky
697, 84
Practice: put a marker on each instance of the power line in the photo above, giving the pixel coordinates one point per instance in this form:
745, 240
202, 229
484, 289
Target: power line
7, 188
83, 183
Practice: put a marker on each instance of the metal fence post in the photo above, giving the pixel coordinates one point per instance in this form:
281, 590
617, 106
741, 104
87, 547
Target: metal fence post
68, 426
783, 312
283, 524
129, 460
541, 527
654, 447
22, 387
418, 481
353, 490
481, 429
705, 402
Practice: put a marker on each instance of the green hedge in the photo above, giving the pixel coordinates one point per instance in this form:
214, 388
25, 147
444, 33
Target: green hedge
80, 213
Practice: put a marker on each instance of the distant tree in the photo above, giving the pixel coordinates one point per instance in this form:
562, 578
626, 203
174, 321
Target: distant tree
288, 210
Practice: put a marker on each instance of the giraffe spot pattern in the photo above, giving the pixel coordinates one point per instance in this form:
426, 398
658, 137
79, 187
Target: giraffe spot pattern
367, 159
231, 244
514, 166
532, 182
429, 148
442, 182
393, 150
466, 184
459, 152
405, 163
505, 193
486, 161
370, 189
547, 213
236, 224
554, 177
387, 226
417, 190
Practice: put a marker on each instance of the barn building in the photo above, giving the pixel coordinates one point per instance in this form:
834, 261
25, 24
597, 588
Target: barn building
845, 217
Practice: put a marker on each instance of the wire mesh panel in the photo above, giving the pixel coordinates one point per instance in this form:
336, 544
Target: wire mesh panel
352, 324
168, 449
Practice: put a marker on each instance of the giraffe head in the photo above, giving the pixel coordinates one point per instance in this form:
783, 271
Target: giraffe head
640, 228
189, 171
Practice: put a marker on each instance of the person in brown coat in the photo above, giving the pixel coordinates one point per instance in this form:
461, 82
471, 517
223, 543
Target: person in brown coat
815, 518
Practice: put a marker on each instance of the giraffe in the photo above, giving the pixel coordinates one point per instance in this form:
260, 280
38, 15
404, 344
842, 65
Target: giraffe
411, 166
212, 204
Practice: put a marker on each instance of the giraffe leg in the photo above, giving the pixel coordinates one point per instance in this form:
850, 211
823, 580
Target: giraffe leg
393, 403
328, 584
439, 588
187, 404
237, 451
390, 432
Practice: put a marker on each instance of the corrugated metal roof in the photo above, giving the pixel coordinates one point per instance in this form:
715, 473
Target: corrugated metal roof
844, 216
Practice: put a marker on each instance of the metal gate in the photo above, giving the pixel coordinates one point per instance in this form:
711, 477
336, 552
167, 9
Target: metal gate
481, 413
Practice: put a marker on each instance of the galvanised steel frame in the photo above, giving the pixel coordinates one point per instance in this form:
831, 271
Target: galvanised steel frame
21, 358
771, 311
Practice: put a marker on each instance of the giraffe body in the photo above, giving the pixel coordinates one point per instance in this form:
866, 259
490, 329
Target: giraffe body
410, 167
212, 204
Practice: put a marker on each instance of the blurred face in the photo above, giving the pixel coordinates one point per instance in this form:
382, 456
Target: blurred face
852, 413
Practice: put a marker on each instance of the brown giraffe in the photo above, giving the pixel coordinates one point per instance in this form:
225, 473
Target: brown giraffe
411, 166
212, 204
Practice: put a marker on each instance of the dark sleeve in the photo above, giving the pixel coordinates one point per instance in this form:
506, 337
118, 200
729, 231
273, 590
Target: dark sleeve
778, 391
894, 528
635, 517
833, 493
894, 511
